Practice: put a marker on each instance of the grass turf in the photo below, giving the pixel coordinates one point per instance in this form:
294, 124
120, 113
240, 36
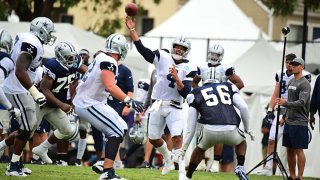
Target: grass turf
48, 172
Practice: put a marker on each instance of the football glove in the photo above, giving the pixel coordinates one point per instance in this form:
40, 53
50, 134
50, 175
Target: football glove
38, 97
136, 105
250, 133
269, 117
15, 113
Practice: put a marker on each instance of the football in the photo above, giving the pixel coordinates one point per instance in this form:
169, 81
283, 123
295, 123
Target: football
131, 9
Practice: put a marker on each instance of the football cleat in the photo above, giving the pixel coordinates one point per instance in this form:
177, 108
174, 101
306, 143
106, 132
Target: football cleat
14, 169
61, 163
266, 171
118, 165
144, 164
42, 153
167, 165
37, 161
241, 173
110, 174
98, 167
78, 162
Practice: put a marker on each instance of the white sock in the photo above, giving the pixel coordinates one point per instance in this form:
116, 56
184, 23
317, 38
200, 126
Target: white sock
15, 158
81, 148
45, 144
164, 151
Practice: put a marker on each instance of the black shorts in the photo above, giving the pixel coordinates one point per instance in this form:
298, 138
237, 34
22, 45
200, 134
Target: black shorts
295, 136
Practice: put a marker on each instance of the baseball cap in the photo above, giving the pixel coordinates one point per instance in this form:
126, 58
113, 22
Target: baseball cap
297, 61
84, 51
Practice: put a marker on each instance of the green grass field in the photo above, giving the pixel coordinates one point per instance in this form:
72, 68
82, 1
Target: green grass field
48, 172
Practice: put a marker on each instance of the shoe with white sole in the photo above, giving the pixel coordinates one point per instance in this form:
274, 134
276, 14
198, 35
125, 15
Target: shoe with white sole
14, 169
42, 153
167, 165
98, 167
266, 171
241, 173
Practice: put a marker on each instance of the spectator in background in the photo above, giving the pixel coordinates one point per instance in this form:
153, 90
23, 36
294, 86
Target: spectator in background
295, 133
315, 102
85, 55
265, 129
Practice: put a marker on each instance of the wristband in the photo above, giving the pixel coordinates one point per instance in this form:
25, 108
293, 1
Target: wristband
270, 109
33, 90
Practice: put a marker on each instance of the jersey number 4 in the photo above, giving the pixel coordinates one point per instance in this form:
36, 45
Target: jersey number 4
212, 99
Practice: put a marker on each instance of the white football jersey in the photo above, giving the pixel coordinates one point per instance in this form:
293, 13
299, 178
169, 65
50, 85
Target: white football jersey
6, 64
91, 91
286, 78
218, 73
24, 43
165, 87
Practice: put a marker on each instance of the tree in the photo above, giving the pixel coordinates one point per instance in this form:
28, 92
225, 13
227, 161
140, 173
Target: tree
29, 9
287, 7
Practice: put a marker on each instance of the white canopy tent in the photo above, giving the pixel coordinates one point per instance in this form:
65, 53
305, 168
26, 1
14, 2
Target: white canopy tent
201, 20
82, 39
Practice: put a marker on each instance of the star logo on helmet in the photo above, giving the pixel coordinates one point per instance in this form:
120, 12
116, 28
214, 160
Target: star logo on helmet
59, 49
141, 84
110, 68
45, 24
30, 50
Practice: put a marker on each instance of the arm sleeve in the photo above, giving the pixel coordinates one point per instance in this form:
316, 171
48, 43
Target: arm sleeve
315, 97
191, 127
3, 99
244, 112
147, 54
186, 88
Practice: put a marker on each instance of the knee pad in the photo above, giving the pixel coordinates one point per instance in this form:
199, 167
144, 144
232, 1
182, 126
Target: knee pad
23, 135
69, 137
112, 146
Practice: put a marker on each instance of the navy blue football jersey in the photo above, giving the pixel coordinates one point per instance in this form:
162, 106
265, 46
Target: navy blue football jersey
62, 76
214, 103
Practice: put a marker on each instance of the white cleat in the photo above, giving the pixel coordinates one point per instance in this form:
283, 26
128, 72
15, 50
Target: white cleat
42, 153
266, 171
167, 165
98, 167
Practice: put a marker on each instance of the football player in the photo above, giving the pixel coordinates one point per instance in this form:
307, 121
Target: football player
59, 73
6, 67
18, 86
92, 94
215, 69
215, 102
286, 77
174, 78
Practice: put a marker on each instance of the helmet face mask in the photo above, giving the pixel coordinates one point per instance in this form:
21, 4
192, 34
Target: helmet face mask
42, 27
180, 48
117, 44
65, 53
5, 41
137, 134
215, 54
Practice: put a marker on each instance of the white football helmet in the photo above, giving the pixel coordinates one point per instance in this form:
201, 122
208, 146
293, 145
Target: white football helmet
42, 27
137, 134
175, 53
117, 44
215, 54
5, 41
65, 53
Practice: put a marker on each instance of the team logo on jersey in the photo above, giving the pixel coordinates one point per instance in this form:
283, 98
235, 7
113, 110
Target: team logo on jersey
292, 87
